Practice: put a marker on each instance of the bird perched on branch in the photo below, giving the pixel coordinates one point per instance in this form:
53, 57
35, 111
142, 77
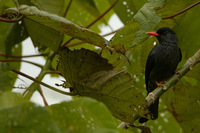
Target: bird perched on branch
161, 64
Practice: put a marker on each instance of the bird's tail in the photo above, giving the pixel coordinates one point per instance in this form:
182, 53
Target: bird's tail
153, 109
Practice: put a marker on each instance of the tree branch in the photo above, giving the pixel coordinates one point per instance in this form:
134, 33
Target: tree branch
190, 63
42, 95
191, 6
16, 60
42, 83
153, 96
25, 56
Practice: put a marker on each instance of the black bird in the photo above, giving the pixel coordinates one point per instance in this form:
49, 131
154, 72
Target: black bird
161, 64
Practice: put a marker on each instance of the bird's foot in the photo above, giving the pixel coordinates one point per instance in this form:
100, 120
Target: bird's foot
164, 87
160, 84
177, 71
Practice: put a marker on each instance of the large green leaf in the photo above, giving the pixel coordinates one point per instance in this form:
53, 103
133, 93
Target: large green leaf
165, 122
51, 6
4, 4
19, 116
145, 20
83, 115
43, 37
102, 6
126, 9
4, 32
92, 76
189, 41
7, 77
89, 6
17, 33
83, 13
183, 103
62, 25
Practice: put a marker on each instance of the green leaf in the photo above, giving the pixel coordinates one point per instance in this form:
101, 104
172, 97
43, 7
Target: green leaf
62, 25
189, 41
19, 116
17, 33
172, 7
7, 77
102, 6
26, 2
89, 6
92, 76
51, 6
126, 9
165, 122
82, 16
4, 4
184, 104
43, 37
83, 115
145, 20
133, 33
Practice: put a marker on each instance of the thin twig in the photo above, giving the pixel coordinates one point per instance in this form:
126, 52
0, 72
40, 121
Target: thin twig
67, 9
16, 60
9, 20
25, 56
107, 34
103, 14
42, 95
182, 11
54, 72
44, 84
92, 23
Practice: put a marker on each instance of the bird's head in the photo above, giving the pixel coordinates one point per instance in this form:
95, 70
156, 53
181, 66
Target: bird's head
164, 34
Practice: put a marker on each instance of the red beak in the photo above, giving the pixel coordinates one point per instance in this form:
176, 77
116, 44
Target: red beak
152, 33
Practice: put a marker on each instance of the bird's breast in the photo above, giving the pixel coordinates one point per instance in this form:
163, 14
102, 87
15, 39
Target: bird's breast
165, 63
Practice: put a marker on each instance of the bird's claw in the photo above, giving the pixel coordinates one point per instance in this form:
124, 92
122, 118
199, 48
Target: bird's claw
159, 84
177, 71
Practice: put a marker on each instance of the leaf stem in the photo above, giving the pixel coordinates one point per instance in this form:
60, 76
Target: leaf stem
191, 6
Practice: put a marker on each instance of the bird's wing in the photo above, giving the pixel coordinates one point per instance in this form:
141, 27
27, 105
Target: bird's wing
149, 66
180, 55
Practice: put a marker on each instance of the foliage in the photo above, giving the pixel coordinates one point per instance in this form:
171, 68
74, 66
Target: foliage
110, 71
